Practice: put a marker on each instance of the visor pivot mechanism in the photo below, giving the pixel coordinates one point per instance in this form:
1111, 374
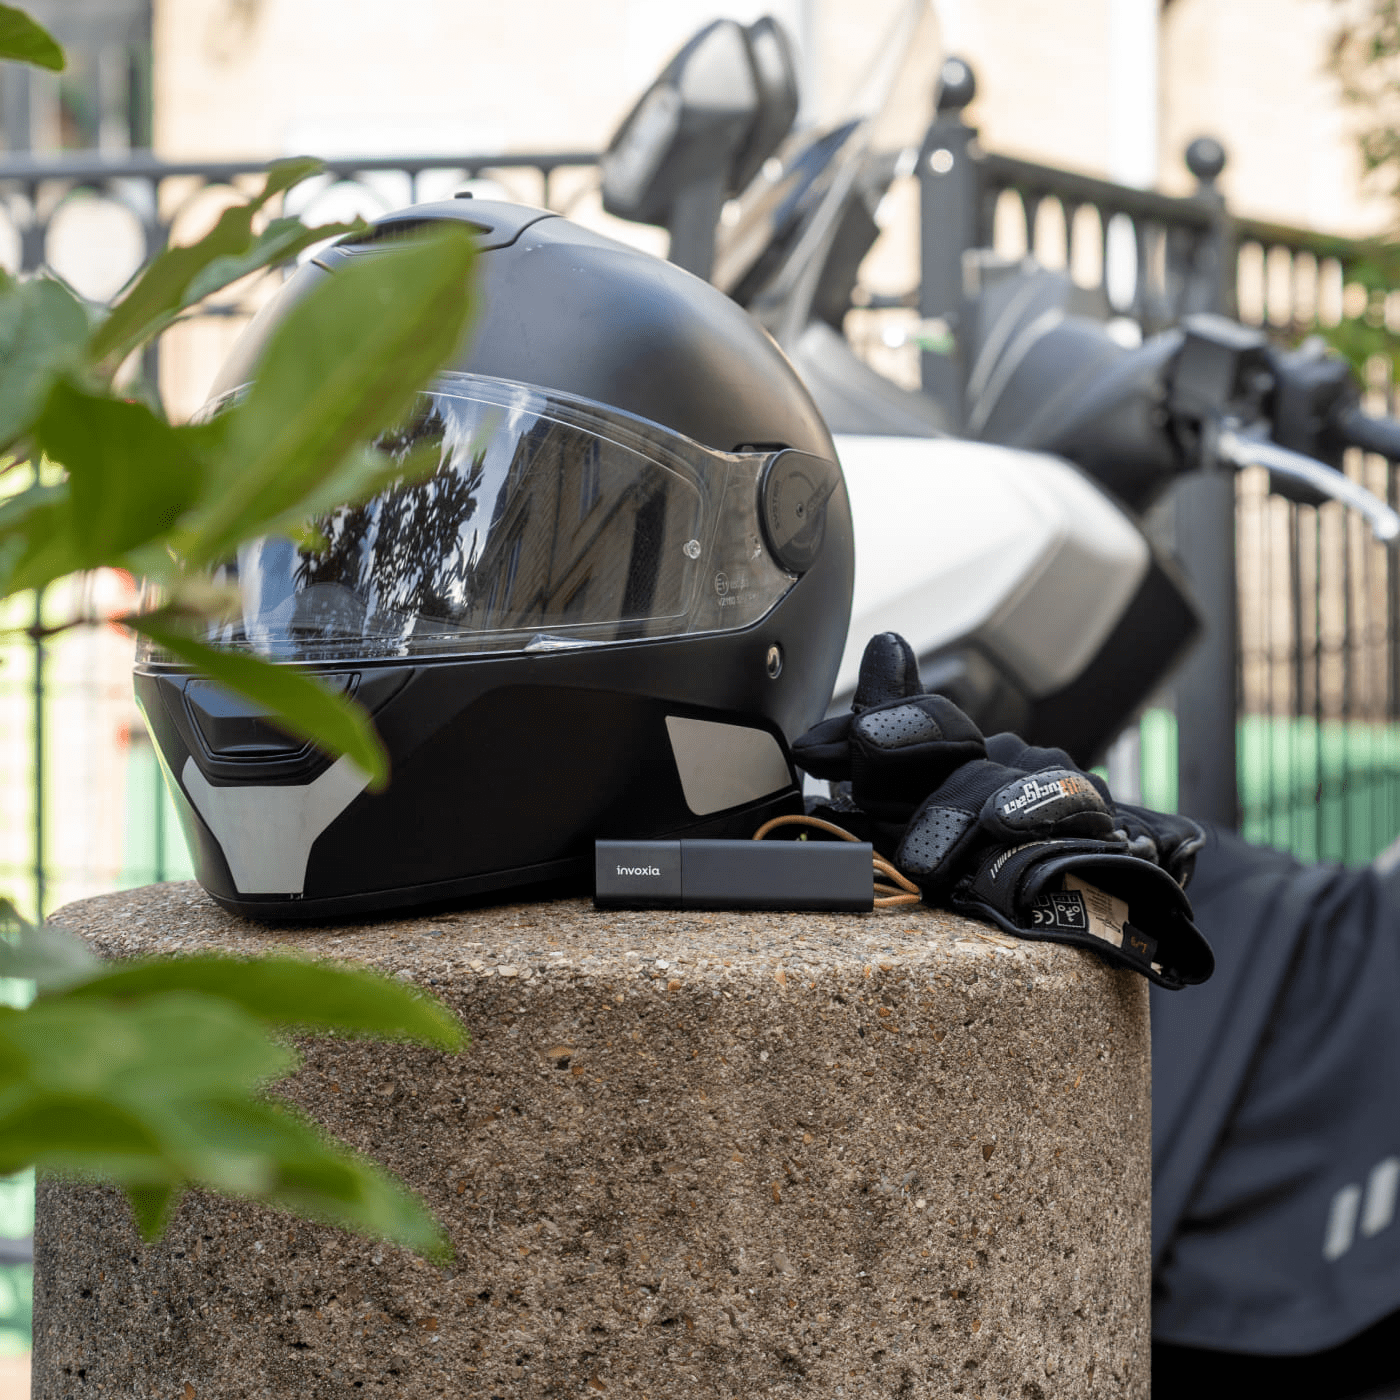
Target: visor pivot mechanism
793, 493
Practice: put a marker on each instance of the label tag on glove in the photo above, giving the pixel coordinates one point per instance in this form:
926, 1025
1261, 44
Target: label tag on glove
1106, 913
1062, 913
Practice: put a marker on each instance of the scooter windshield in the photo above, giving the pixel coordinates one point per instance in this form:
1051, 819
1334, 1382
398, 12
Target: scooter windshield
542, 523
770, 256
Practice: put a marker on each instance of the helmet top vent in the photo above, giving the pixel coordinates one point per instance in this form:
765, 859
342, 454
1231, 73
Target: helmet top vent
398, 230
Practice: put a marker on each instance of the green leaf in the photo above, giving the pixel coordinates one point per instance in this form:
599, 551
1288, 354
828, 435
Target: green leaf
80, 1133
298, 702
230, 1143
342, 366
130, 474
315, 1177
279, 242
26, 42
152, 1206
43, 329
155, 1051
47, 955
130, 477
160, 290
148, 1076
283, 174
36, 539
289, 992
362, 475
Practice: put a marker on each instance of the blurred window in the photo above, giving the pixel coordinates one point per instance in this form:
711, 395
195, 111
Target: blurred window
102, 100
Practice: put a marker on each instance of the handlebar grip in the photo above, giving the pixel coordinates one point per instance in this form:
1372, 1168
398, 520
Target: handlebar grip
1380, 435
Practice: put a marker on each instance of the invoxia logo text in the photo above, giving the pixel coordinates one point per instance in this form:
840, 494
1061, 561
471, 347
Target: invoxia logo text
638, 870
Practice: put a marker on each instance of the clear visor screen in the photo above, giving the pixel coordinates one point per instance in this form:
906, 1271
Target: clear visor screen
543, 524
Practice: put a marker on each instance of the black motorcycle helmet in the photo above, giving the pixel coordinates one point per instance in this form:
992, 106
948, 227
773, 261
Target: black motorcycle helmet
625, 587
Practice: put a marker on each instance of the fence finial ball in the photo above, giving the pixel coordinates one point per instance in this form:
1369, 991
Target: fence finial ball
957, 85
1205, 159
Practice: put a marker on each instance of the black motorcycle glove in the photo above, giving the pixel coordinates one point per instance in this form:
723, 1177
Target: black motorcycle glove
1164, 838
896, 745
1173, 840
1043, 856
1013, 751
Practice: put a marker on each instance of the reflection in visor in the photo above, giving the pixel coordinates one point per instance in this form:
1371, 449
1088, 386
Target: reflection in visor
545, 524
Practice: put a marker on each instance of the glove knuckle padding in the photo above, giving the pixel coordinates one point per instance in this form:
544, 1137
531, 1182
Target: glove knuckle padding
899, 726
1054, 802
901, 752
1014, 752
1040, 854
1163, 838
932, 837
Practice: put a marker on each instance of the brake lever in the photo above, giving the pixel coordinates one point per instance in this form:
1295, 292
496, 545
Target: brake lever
1239, 451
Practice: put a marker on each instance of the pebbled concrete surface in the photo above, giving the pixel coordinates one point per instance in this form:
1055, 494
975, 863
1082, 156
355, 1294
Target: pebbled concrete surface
685, 1155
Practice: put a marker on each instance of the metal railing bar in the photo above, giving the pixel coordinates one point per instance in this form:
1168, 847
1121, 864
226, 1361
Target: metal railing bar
84, 166
1028, 177
1302, 240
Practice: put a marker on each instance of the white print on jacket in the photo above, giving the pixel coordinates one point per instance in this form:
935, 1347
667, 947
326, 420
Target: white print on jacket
1375, 1212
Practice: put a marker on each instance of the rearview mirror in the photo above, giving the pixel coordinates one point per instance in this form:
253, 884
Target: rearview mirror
775, 69
700, 133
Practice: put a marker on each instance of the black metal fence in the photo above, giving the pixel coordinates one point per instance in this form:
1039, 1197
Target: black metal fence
1287, 717
1319, 661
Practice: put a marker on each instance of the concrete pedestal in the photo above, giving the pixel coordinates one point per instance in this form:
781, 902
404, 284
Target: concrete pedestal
684, 1155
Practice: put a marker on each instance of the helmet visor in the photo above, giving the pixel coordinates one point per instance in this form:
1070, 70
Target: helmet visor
546, 523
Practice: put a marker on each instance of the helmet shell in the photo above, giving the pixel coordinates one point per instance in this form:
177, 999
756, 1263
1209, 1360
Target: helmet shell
506, 766
563, 308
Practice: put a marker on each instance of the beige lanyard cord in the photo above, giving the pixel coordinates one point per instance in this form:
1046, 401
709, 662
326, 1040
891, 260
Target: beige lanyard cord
898, 891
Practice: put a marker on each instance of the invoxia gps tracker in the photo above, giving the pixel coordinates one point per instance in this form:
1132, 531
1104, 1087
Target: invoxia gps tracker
733, 875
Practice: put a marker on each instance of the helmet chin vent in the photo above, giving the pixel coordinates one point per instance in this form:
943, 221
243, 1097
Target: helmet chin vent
234, 728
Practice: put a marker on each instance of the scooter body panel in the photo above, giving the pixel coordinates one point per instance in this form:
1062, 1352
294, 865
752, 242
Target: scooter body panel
1014, 552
